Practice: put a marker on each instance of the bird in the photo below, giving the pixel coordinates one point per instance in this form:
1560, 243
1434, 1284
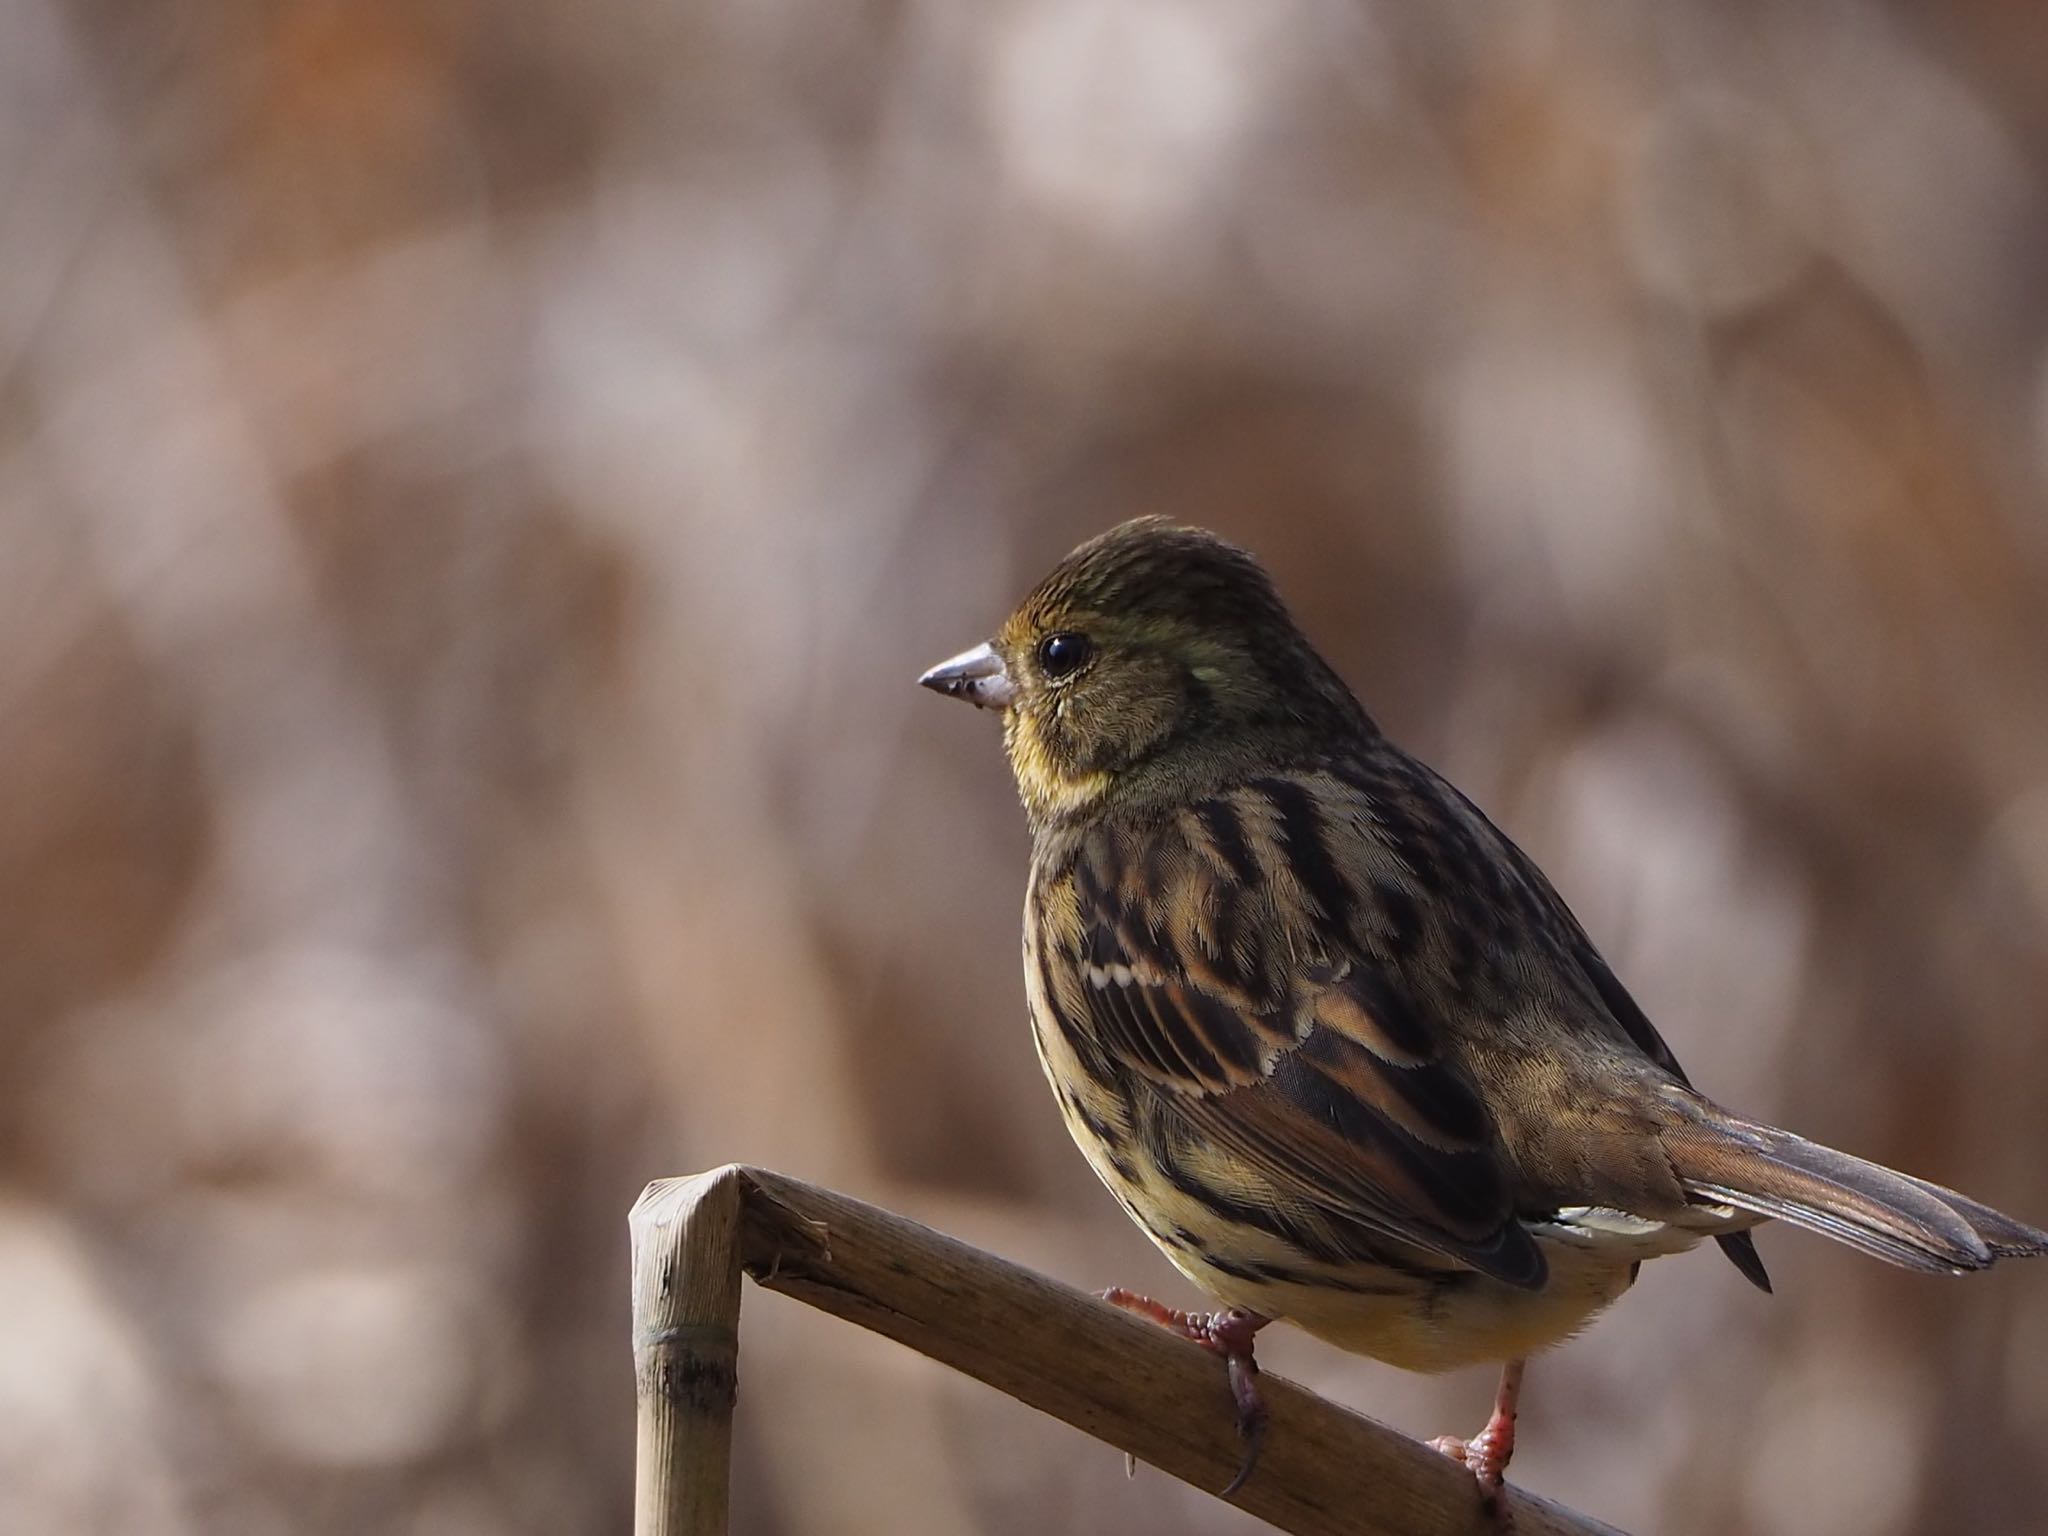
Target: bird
1327, 1035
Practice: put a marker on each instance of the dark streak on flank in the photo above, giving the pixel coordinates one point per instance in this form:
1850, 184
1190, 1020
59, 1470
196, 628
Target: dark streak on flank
1109, 1136
1280, 1274
1164, 1237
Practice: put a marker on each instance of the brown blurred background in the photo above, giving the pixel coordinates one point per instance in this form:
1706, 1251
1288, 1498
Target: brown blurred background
477, 482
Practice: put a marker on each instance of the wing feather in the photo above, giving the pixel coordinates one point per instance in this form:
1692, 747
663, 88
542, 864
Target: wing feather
1321, 1075
1739, 1247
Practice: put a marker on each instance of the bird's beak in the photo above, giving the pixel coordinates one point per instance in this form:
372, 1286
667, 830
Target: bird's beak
978, 676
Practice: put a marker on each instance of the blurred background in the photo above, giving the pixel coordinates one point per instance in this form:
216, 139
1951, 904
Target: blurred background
478, 482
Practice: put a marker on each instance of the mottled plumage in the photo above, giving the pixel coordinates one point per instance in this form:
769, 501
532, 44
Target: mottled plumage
1327, 1035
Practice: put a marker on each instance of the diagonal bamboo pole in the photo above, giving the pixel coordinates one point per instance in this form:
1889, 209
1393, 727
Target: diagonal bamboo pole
1324, 1471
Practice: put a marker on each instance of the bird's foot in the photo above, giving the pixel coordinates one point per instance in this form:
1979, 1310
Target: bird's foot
1486, 1459
1228, 1333
1487, 1453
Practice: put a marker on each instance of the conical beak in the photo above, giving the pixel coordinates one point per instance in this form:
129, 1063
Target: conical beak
978, 676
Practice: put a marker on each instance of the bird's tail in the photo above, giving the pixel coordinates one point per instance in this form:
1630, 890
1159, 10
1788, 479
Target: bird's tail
1724, 1160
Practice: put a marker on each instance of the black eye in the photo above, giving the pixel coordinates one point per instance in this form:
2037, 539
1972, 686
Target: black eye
1061, 655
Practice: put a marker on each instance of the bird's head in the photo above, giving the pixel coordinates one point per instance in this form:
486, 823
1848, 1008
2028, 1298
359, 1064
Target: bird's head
1149, 656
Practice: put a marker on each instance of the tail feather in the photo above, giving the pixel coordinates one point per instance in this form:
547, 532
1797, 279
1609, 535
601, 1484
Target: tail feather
1891, 1216
2006, 1236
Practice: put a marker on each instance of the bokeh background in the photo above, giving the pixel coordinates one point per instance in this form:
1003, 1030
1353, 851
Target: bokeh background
477, 482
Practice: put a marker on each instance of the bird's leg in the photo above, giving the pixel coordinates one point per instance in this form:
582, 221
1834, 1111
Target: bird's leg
1229, 1334
1487, 1452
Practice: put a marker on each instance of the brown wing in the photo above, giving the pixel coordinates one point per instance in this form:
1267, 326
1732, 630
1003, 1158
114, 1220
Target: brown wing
1284, 1043
1740, 1247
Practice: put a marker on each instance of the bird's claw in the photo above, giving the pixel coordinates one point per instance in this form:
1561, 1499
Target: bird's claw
1229, 1334
1486, 1458
1251, 1411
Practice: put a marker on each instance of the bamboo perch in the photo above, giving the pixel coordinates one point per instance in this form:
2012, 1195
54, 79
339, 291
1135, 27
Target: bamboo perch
1324, 1471
686, 1340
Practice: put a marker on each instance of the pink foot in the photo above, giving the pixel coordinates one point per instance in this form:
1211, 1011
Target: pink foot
1230, 1335
1487, 1453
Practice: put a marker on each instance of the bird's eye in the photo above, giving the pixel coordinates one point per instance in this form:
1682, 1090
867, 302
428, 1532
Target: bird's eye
1061, 655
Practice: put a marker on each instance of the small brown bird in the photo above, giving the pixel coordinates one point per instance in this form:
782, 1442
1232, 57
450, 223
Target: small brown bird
1330, 1037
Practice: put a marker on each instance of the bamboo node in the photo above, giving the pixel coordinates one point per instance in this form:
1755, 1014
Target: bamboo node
701, 1383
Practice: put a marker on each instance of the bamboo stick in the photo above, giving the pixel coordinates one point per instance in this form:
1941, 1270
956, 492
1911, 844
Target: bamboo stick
1324, 1471
686, 1313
